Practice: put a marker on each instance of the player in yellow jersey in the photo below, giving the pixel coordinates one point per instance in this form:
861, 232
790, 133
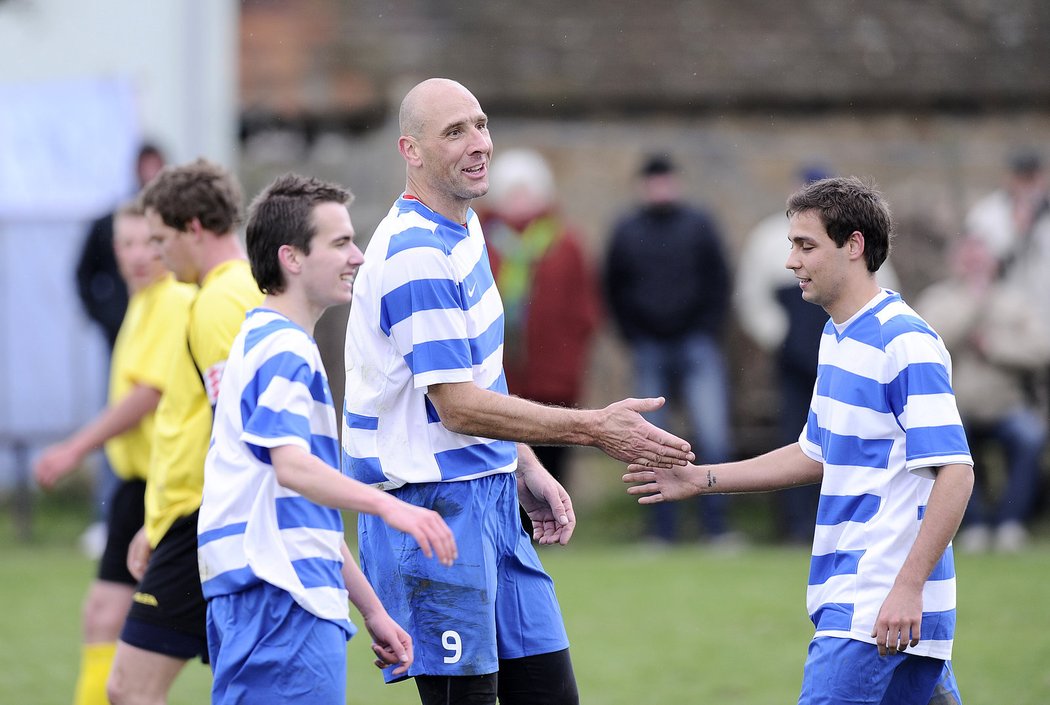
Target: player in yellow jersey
150, 334
193, 211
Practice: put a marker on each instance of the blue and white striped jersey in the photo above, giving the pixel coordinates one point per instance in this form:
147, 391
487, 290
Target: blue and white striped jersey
426, 311
883, 416
274, 393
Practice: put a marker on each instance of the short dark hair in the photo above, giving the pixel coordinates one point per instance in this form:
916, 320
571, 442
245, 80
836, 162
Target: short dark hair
847, 204
283, 215
149, 149
657, 164
1025, 163
200, 189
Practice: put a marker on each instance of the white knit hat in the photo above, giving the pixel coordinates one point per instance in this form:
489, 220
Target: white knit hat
520, 168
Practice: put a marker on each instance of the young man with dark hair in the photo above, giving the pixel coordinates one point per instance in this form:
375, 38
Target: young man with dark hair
275, 568
885, 441
193, 211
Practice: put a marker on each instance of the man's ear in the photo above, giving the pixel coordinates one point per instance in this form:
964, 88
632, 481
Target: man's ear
195, 228
409, 149
290, 259
856, 244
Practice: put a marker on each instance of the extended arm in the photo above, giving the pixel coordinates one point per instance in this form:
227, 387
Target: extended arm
619, 429
900, 618
390, 643
312, 478
61, 458
776, 470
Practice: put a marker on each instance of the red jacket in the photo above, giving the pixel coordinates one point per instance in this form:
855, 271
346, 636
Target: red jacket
547, 360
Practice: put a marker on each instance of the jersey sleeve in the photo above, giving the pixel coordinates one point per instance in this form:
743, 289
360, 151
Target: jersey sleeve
922, 399
278, 402
809, 439
422, 310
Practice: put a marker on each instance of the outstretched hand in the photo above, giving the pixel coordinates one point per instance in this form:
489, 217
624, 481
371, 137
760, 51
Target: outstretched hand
667, 484
547, 505
426, 526
629, 438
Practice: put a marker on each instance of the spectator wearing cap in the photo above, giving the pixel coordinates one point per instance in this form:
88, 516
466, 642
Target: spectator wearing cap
667, 287
550, 295
771, 311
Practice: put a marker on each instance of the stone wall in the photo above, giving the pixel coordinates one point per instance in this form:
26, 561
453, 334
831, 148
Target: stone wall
547, 58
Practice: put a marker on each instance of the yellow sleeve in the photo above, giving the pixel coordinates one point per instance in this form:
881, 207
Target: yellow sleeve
217, 316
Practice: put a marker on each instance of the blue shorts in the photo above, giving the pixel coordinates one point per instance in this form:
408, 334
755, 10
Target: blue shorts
850, 671
265, 648
495, 603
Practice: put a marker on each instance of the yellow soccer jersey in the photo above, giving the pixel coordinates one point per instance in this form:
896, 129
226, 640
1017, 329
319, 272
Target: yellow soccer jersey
152, 333
183, 421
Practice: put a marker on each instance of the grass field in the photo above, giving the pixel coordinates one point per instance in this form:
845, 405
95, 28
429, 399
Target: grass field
673, 626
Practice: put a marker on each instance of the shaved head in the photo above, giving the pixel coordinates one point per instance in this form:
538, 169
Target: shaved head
413, 116
446, 146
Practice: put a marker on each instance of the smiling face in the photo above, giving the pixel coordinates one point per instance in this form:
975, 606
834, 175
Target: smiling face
821, 267
329, 270
446, 145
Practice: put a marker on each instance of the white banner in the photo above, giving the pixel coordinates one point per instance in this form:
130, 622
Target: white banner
67, 152
67, 148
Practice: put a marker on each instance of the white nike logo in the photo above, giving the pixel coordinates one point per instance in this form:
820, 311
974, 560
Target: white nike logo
471, 290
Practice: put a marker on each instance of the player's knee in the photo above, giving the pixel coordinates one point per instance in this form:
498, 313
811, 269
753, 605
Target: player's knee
102, 626
122, 691
116, 688
102, 618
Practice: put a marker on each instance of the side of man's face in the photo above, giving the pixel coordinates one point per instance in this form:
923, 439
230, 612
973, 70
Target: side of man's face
456, 146
328, 272
137, 259
820, 265
174, 247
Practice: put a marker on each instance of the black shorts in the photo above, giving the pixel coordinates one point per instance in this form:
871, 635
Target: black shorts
168, 611
127, 512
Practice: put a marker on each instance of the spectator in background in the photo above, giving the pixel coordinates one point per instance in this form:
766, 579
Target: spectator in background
1014, 221
104, 295
998, 341
151, 333
99, 284
550, 297
667, 286
785, 326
